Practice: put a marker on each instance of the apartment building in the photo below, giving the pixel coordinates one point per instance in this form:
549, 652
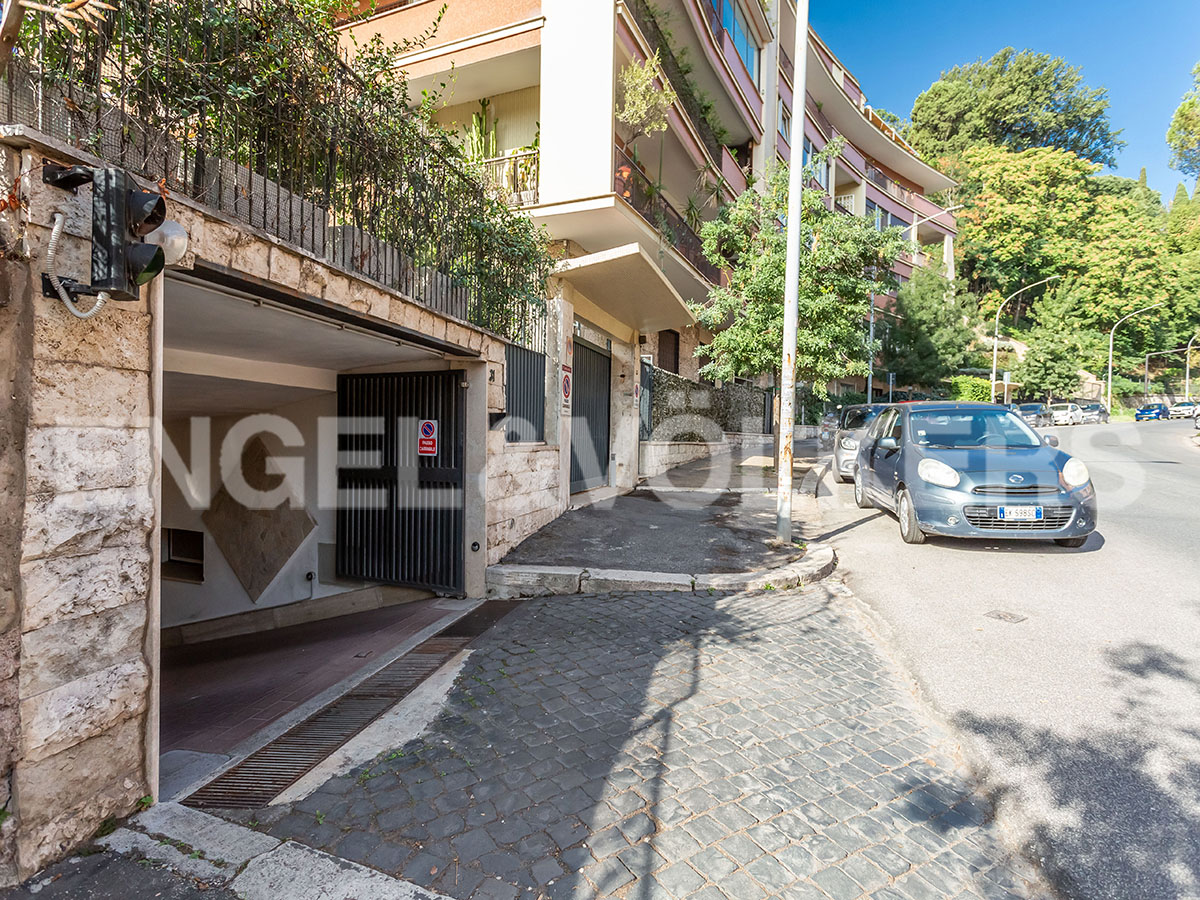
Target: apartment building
548, 82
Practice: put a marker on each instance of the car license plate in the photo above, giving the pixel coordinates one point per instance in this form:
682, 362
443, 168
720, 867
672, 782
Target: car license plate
1021, 513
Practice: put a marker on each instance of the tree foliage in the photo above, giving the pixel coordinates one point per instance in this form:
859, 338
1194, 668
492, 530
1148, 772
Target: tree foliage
1018, 101
934, 328
1183, 135
835, 284
644, 98
970, 389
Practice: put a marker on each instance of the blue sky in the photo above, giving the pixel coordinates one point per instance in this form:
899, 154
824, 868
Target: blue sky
1142, 52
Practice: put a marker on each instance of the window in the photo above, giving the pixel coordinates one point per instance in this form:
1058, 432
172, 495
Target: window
735, 23
785, 121
183, 555
668, 351
821, 174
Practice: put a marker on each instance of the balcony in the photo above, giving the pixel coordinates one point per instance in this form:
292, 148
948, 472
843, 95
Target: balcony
304, 151
514, 177
786, 66
674, 71
632, 185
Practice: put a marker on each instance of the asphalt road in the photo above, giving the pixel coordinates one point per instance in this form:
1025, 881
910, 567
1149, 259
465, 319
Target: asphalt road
1086, 713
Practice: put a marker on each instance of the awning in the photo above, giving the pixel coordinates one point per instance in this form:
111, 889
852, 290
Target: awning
629, 285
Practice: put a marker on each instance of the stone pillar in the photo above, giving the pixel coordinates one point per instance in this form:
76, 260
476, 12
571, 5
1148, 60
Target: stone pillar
475, 536
625, 414
948, 255
83, 560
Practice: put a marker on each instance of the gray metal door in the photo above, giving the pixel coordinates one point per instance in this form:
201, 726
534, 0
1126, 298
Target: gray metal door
646, 402
400, 510
590, 418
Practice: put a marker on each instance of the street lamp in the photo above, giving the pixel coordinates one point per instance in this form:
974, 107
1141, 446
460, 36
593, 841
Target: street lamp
996, 337
791, 293
912, 232
1111, 334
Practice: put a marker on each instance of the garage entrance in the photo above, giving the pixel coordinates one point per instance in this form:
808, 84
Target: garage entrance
401, 520
590, 417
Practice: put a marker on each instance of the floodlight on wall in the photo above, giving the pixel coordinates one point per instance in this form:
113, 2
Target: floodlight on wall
173, 238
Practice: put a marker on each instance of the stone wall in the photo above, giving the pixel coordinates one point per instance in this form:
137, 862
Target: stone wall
85, 553
523, 492
656, 457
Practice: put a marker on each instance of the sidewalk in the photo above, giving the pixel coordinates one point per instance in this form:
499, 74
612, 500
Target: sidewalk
716, 515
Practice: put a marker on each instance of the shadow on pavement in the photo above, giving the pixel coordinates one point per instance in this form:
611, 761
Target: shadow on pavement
1114, 810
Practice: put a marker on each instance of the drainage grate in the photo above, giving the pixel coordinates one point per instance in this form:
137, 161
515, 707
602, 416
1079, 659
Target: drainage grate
270, 770
1010, 618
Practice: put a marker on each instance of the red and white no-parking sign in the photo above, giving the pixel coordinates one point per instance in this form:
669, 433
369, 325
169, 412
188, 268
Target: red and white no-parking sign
427, 439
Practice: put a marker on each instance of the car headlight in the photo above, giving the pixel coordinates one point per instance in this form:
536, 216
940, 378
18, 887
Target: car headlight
1075, 473
849, 443
937, 472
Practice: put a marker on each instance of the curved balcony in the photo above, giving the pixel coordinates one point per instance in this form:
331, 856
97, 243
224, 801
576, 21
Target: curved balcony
632, 185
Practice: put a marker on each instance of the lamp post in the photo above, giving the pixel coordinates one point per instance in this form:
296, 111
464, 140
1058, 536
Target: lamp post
791, 293
1111, 334
996, 337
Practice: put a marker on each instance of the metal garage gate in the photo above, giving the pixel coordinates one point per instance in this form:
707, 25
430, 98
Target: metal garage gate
400, 513
590, 418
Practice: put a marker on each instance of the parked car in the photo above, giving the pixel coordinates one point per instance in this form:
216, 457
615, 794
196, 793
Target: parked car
1094, 413
852, 425
1035, 414
1066, 413
972, 470
1184, 409
1152, 411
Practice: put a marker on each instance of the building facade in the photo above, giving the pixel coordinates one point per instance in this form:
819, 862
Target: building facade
178, 467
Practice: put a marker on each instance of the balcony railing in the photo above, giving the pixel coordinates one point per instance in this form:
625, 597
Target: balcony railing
632, 184
515, 177
644, 17
245, 107
898, 191
787, 66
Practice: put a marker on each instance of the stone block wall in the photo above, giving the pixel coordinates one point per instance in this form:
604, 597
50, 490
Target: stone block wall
656, 457
83, 557
523, 492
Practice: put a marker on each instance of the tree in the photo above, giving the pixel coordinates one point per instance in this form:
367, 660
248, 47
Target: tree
1148, 199
1183, 136
1050, 367
1183, 222
644, 98
746, 313
934, 328
1026, 217
1018, 101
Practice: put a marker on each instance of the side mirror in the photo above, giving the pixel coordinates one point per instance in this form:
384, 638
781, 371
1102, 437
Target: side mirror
889, 443
1051, 440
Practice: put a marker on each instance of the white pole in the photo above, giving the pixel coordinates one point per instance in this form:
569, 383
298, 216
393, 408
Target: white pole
1111, 335
791, 288
996, 337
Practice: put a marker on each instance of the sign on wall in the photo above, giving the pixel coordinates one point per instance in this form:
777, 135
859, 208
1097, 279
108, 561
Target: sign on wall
427, 438
566, 387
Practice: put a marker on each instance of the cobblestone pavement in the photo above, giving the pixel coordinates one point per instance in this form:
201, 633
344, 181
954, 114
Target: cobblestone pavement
672, 745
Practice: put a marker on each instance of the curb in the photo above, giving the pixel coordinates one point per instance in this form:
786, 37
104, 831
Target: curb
508, 582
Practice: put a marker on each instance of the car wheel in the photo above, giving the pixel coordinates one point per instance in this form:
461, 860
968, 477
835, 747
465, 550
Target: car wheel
1074, 542
860, 492
910, 530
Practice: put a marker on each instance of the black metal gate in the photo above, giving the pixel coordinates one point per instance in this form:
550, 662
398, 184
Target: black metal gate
590, 418
524, 394
646, 402
400, 509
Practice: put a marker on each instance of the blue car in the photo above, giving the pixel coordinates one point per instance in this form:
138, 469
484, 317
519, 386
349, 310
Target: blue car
972, 470
1152, 411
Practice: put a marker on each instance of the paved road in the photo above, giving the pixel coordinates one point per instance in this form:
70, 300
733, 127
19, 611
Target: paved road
657, 746
1088, 710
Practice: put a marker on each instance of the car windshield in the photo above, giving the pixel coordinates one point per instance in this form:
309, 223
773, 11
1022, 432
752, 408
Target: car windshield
857, 418
971, 428
1060, 406
1030, 407
1092, 406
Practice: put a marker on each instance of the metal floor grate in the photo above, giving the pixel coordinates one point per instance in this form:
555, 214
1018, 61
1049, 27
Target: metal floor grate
269, 771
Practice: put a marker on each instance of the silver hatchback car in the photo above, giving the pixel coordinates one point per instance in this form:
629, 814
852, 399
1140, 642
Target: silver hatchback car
852, 425
972, 470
